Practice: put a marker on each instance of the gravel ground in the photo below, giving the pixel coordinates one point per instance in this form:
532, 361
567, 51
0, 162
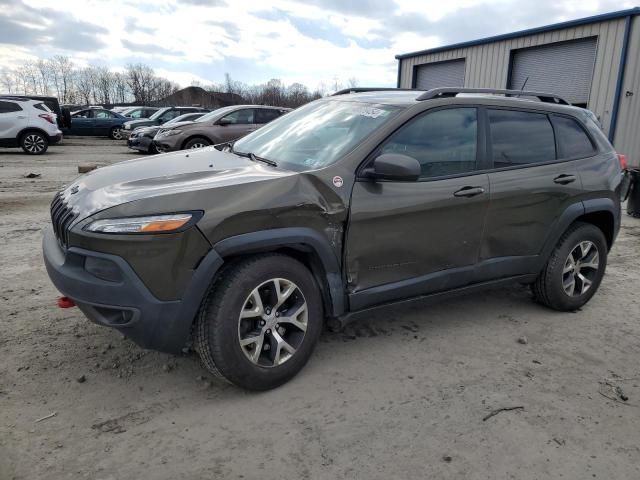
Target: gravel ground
401, 394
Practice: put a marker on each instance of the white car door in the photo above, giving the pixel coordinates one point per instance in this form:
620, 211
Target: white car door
12, 119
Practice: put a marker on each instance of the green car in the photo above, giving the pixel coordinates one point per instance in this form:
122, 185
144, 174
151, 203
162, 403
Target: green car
357, 201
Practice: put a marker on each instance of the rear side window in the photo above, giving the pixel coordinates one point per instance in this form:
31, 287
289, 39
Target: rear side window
8, 107
573, 142
444, 141
264, 115
520, 138
241, 117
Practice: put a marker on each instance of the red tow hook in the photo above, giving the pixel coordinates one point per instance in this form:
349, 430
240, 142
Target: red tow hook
65, 302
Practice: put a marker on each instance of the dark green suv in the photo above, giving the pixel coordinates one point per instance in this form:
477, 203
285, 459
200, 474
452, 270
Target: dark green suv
348, 203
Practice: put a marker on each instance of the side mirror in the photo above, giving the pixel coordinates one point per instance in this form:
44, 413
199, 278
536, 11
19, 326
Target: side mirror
223, 121
394, 166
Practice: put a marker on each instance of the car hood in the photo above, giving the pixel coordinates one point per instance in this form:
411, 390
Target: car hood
162, 175
176, 125
133, 124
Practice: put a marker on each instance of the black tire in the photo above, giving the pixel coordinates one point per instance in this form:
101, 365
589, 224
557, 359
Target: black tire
217, 332
34, 142
153, 150
196, 142
115, 133
549, 290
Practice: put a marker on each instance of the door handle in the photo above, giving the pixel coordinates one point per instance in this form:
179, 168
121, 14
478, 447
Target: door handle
21, 116
564, 179
468, 192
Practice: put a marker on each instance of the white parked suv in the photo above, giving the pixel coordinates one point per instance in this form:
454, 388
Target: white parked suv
27, 123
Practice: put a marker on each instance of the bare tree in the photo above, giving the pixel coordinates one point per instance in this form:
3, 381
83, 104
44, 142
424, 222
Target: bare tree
62, 73
6, 80
44, 75
352, 82
84, 83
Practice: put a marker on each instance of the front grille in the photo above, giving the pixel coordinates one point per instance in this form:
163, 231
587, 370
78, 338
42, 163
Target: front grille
61, 218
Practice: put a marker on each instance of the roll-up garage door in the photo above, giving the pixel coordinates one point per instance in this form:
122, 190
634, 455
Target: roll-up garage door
440, 74
564, 68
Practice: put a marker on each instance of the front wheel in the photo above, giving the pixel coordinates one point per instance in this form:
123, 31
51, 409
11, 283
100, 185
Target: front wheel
116, 133
260, 322
574, 270
197, 143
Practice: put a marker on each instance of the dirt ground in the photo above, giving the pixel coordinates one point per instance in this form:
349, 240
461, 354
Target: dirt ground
399, 395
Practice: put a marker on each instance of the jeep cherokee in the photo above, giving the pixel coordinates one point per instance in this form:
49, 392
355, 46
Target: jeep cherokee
348, 203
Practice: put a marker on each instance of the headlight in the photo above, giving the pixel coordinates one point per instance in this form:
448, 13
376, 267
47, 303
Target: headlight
149, 224
168, 133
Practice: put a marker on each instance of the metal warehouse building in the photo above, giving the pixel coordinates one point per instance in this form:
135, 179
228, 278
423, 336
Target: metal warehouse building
592, 62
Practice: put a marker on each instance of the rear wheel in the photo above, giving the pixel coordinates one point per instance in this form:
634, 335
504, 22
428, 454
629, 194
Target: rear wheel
260, 323
116, 133
574, 270
198, 142
34, 143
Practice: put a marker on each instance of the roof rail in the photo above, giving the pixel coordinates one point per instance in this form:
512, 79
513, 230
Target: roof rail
453, 91
345, 91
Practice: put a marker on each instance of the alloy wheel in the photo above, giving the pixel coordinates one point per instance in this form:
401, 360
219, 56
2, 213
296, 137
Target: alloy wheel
117, 134
199, 145
34, 143
580, 269
273, 322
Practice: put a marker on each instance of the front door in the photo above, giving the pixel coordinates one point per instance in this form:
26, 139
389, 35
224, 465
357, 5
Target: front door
240, 123
409, 238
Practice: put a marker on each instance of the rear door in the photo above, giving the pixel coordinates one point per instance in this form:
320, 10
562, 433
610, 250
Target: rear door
265, 115
530, 185
12, 119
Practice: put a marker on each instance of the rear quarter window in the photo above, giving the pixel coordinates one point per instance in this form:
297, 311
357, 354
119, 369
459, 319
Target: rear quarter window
573, 141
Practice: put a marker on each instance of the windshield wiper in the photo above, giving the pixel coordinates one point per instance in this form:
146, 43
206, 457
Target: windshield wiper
254, 157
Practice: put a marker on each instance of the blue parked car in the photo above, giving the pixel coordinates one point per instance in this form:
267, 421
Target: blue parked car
96, 122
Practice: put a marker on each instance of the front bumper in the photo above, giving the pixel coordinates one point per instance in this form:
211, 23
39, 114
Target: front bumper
127, 304
140, 143
165, 144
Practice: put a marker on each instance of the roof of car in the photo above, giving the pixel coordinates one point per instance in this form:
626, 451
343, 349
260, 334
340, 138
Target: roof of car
408, 97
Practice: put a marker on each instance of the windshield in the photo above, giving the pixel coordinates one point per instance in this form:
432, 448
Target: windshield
216, 114
315, 135
158, 113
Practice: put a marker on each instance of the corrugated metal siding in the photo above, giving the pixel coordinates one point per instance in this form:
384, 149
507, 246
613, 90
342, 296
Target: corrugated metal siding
440, 74
627, 139
487, 65
563, 68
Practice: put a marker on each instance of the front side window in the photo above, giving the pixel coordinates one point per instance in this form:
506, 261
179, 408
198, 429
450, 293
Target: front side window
573, 142
136, 114
81, 114
316, 134
240, 117
103, 114
444, 142
520, 138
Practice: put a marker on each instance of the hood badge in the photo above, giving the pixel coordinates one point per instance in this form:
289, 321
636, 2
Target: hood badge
337, 181
74, 189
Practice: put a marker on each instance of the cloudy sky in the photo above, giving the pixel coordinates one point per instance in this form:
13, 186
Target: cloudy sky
307, 41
